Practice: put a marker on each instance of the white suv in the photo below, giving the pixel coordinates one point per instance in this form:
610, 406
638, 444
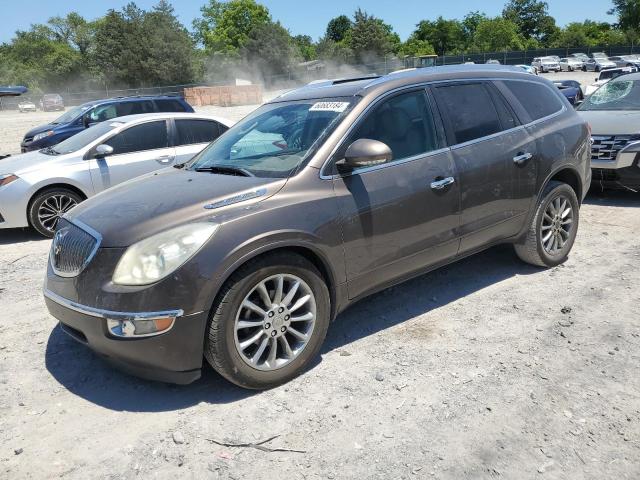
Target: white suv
545, 64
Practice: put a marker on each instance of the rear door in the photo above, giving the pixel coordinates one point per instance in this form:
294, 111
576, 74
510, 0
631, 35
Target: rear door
137, 150
193, 135
399, 217
490, 148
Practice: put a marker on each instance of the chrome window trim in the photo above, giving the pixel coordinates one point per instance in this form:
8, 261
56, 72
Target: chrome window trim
424, 85
108, 314
87, 229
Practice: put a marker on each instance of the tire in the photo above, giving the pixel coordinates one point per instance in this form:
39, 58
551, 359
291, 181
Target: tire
533, 249
45, 202
223, 343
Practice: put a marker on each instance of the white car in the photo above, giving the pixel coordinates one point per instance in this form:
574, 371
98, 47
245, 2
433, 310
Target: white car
38, 187
26, 106
605, 76
570, 64
545, 64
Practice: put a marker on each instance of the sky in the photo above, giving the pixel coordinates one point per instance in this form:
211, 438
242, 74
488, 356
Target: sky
300, 16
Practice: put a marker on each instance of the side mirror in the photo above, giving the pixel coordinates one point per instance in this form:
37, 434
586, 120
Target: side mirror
365, 153
103, 151
86, 121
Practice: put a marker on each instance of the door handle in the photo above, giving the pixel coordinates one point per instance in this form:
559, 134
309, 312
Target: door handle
440, 184
522, 158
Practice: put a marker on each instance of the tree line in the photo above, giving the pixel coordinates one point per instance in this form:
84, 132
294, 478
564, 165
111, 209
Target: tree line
136, 48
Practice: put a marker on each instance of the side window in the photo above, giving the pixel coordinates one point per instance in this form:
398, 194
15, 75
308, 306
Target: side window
103, 113
537, 99
403, 122
134, 108
470, 110
197, 131
148, 136
169, 105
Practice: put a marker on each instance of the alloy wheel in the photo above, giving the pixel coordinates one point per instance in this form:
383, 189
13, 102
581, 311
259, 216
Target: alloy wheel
557, 223
275, 322
54, 207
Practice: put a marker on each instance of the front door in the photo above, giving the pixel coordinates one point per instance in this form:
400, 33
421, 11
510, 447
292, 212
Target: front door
137, 150
400, 217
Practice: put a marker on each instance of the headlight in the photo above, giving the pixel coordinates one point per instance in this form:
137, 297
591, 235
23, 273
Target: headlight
156, 257
42, 135
7, 179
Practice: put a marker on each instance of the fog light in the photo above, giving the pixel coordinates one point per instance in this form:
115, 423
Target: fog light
140, 327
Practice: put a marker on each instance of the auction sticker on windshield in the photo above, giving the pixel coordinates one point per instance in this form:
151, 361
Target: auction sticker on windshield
329, 107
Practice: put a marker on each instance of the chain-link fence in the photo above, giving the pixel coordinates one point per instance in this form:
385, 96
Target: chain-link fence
310, 71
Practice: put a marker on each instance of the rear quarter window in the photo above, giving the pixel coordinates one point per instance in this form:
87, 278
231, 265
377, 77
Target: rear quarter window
537, 99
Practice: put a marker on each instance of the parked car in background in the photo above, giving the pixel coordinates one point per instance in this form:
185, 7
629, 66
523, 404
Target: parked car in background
597, 64
493, 61
37, 188
599, 55
626, 61
51, 102
605, 76
580, 56
545, 64
613, 111
528, 69
246, 259
570, 64
571, 89
77, 119
26, 106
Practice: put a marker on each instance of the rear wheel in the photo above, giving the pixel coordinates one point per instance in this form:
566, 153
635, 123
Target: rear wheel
47, 207
269, 321
553, 229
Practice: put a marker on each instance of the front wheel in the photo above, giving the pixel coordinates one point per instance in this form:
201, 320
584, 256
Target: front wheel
269, 321
47, 207
553, 229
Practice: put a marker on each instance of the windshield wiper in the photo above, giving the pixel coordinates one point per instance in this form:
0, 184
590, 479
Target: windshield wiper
226, 170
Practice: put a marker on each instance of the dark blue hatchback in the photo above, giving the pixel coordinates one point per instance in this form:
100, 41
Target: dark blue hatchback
78, 118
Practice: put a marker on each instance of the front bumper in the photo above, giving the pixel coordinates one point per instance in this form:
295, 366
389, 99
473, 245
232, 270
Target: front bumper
174, 356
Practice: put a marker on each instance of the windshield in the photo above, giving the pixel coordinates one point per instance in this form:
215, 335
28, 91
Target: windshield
84, 138
276, 139
615, 95
70, 115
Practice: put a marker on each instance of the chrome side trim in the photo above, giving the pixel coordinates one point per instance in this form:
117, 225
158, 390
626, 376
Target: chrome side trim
236, 199
108, 314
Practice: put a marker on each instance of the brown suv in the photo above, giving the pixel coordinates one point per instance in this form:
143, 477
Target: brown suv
325, 195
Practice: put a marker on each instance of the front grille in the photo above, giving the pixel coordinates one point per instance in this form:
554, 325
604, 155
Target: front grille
27, 139
606, 147
72, 249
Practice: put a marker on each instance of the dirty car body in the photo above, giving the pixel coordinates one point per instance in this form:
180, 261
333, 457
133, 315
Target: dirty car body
383, 181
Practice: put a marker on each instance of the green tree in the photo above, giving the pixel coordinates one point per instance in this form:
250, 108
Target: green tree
414, 47
370, 37
470, 24
628, 13
446, 36
338, 28
225, 26
269, 49
306, 47
531, 17
339, 52
497, 34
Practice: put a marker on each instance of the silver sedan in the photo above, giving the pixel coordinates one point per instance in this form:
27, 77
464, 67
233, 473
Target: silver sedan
37, 188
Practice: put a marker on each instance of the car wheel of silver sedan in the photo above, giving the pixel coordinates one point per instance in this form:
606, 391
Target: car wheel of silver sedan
553, 228
49, 206
269, 321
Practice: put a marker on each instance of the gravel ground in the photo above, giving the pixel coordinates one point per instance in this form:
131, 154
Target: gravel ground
487, 368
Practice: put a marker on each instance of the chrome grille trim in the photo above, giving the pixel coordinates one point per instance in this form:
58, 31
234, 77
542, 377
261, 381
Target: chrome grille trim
74, 245
607, 147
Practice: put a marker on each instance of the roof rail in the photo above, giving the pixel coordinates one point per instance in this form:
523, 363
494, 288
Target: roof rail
372, 76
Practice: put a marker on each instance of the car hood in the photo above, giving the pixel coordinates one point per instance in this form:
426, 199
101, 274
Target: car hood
147, 205
23, 163
40, 129
618, 122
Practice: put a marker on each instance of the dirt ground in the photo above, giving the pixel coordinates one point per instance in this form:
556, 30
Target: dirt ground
487, 368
